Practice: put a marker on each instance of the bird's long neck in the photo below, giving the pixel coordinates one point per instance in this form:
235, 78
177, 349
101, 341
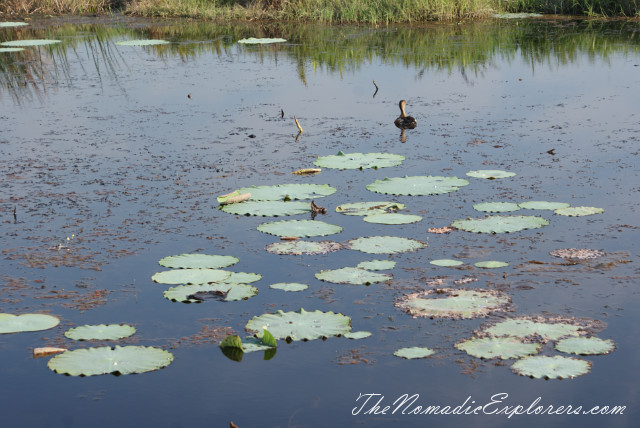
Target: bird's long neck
402, 113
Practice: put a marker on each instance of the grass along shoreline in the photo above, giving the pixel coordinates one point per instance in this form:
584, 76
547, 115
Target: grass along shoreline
326, 11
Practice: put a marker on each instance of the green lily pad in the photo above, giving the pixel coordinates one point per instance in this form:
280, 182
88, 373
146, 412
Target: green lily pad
28, 43
498, 347
522, 327
579, 211
196, 261
282, 192
543, 205
251, 343
11, 49
414, 352
201, 292
359, 160
369, 208
491, 264
289, 286
496, 207
385, 244
500, 224
392, 218
241, 278
490, 174
100, 332
261, 41
417, 186
231, 341
543, 367
142, 42
357, 335
299, 247
450, 303
585, 346
351, 275
377, 265
299, 228
191, 276
104, 360
446, 262
268, 208
12, 24
301, 325
26, 322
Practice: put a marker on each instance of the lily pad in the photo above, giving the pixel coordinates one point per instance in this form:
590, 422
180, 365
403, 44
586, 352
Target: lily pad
357, 335
282, 192
198, 261
104, 360
500, 224
496, 207
523, 327
301, 325
261, 41
100, 332
201, 292
414, 352
491, 264
490, 174
359, 160
11, 49
12, 24
392, 218
142, 42
543, 205
299, 228
543, 367
377, 265
369, 208
289, 286
498, 347
577, 253
417, 186
585, 346
191, 276
28, 43
10, 323
267, 208
241, 278
385, 244
351, 275
451, 303
446, 262
299, 247
579, 211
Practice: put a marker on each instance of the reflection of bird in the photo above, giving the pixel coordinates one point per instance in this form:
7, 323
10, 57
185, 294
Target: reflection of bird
403, 121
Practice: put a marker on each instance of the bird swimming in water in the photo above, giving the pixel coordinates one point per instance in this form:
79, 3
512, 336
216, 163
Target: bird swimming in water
403, 121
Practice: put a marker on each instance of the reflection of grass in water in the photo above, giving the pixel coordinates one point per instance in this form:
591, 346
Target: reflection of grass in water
574, 7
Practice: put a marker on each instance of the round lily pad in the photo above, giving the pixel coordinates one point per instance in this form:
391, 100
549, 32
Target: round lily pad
142, 42
289, 286
100, 332
299, 247
104, 360
446, 262
195, 261
543, 205
359, 160
490, 174
280, 192
450, 303
11, 49
377, 265
357, 335
385, 244
202, 292
369, 208
28, 43
414, 352
551, 367
241, 278
268, 208
498, 347
12, 24
496, 207
392, 218
191, 276
418, 185
522, 327
491, 264
577, 253
585, 346
579, 211
260, 41
500, 224
301, 324
299, 228
351, 275
10, 323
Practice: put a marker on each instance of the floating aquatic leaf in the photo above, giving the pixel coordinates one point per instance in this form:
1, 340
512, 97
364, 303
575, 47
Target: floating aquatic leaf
241, 278
496, 207
268, 339
369, 208
385, 244
301, 325
100, 332
46, 351
357, 335
500, 223
515, 15
26, 322
579, 211
377, 265
414, 352
12, 24
142, 42
299, 228
28, 43
231, 341
190, 276
11, 49
585, 346
491, 264
261, 41
450, 303
543, 205
289, 286
392, 218
268, 208
104, 360
234, 197
446, 262
304, 247
250, 344
195, 261
498, 347
556, 367
523, 327
418, 185
577, 253
490, 174
359, 160
307, 171
281, 192
351, 275
201, 292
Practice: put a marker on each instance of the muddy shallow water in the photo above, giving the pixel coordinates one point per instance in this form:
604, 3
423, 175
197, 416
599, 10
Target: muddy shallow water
112, 158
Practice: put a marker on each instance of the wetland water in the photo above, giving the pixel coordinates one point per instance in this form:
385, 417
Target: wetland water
112, 157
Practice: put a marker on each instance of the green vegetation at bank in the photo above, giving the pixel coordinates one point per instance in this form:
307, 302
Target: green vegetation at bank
326, 11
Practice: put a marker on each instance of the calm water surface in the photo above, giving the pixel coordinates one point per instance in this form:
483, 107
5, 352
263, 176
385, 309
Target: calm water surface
117, 154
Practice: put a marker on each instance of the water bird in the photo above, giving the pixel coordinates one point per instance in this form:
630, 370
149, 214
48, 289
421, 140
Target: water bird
403, 121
